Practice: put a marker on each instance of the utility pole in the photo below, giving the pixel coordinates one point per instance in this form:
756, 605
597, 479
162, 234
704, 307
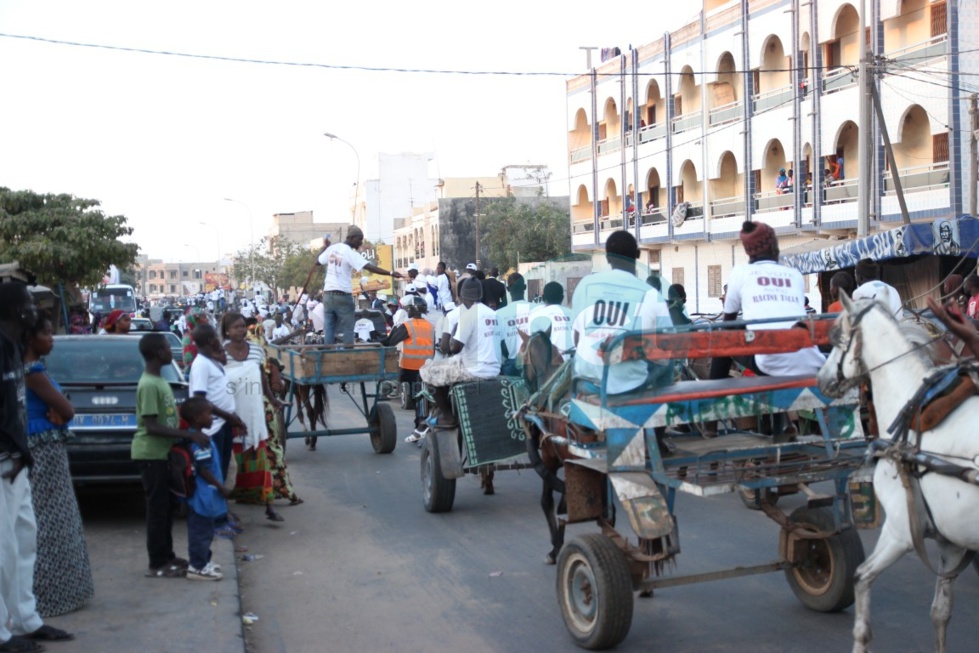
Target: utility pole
864, 158
477, 224
973, 151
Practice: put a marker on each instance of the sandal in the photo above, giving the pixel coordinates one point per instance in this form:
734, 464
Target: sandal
273, 516
166, 571
20, 645
49, 634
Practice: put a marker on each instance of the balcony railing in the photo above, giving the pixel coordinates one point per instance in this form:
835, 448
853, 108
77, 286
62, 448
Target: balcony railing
771, 99
841, 191
726, 113
919, 53
609, 145
652, 216
687, 121
652, 132
772, 200
581, 154
926, 177
582, 226
727, 207
838, 78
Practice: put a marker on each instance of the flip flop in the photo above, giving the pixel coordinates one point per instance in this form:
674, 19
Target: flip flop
49, 634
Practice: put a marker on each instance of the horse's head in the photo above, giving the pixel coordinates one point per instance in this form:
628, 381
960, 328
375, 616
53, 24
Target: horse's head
539, 357
845, 367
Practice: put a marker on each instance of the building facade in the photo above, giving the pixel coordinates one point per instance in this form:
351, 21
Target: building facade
300, 228
683, 139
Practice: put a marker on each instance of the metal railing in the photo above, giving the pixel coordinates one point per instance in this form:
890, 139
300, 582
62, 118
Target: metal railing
687, 121
770, 99
838, 78
727, 207
932, 175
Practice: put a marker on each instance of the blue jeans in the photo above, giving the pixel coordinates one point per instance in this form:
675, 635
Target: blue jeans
338, 316
200, 534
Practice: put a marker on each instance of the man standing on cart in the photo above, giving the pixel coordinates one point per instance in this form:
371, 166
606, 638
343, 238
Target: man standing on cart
341, 261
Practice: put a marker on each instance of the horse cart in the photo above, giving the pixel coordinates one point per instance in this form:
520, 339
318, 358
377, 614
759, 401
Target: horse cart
620, 465
367, 367
489, 439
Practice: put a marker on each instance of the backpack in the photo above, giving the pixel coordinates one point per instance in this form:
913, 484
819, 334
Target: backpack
182, 481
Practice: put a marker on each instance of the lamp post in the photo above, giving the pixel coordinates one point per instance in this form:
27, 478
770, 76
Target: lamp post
251, 240
353, 209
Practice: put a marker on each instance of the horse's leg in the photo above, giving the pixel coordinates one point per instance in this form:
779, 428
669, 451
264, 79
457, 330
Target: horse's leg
889, 550
557, 530
941, 610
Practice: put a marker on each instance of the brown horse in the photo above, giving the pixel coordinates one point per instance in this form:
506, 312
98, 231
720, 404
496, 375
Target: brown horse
548, 380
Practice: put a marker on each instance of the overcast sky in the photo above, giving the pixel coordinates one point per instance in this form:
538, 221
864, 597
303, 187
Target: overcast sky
164, 139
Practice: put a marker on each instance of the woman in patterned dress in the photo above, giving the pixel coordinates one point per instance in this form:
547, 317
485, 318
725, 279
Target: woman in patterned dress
62, 573
195, 318
244, 369
276, 444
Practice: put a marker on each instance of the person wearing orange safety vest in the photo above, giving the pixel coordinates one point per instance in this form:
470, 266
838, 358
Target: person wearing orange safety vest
416, 336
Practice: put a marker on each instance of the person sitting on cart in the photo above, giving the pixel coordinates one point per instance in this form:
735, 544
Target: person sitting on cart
417, 339
606, 304
473, 349
760, 289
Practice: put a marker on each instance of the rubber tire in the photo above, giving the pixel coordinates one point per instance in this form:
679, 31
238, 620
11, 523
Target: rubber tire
598, 567
407, 401
824, 582
384, 429
438, 492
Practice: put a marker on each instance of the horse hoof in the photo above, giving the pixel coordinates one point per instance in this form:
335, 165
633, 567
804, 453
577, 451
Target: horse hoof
549, 560
646, 594
488, 490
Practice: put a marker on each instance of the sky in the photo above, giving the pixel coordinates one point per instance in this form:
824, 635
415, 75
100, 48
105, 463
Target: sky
164, 139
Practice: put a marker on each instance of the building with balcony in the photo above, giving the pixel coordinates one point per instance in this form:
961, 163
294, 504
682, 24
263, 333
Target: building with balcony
300, 228
681, 140
156, 279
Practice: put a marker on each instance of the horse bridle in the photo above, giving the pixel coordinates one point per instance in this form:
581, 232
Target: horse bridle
854, 341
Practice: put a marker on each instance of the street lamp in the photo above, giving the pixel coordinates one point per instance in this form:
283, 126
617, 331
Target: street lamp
196, 249
251, 240
353, 209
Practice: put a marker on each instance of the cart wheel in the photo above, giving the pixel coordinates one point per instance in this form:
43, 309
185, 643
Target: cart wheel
384, 430
594, 591
438, 492
824, 578
407, 401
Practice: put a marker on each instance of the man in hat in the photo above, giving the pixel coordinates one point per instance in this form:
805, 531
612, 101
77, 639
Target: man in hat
468, 273
764, 288
341, 261
473, 350
869, 286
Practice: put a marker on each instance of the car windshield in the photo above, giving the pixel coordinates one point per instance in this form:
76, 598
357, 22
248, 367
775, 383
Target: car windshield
90, 360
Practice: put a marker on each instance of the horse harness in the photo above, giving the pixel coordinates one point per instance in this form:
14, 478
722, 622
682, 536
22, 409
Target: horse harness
938, 396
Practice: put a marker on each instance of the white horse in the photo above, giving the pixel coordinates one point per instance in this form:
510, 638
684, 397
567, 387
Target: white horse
869, 343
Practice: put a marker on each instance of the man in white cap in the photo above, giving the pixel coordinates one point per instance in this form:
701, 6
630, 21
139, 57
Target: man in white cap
341, 261
469, 272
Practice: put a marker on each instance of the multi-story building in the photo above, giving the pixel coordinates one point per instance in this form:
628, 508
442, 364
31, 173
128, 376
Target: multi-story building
704, 118
300, 228
155, 278
444, 229
402, 187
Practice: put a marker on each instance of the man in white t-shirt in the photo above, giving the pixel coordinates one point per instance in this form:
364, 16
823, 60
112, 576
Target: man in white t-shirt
514, 319
268, 325
444, 288
764, 289
607, 304
341, 261
472, 348
554, 317
869, 286
281, 329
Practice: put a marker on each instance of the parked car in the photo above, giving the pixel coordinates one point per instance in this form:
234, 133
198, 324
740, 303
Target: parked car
141, 324
176, 347
99, 375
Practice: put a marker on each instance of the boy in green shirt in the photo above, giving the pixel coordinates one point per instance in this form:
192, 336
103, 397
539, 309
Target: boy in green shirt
157, 425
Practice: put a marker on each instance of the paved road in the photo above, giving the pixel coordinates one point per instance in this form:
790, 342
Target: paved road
362, 567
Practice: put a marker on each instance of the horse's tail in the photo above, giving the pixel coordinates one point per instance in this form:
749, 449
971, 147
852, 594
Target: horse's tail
320, 405
547, 474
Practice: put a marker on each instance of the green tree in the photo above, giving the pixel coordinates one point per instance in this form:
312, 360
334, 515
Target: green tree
62, 238
273, 261
517, 229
